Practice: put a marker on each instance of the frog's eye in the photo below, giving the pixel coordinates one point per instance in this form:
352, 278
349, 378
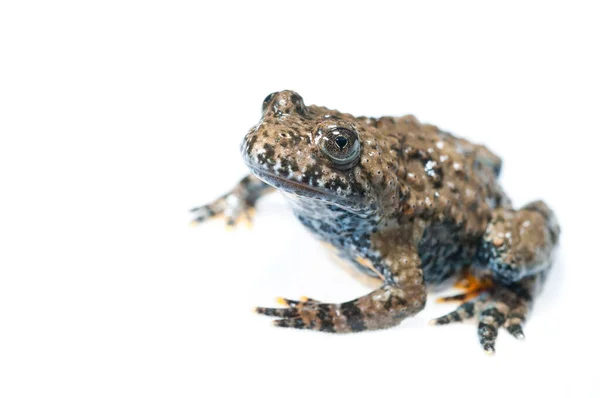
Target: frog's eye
341, 146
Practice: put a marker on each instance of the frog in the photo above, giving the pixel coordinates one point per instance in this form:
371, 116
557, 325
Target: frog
410, 205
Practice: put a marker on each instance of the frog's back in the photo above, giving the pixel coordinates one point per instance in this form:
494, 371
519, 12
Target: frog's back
448, 183
443, 178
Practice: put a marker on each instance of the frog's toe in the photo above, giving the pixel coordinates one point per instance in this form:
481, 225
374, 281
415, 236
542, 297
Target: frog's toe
471, 286
204, 213
278, 312
296, 323
292, 317
305, 313
495, 316
502, 307
514, 324
490, 320
238, 212
463, 312
458, 298
294, 303
292, 310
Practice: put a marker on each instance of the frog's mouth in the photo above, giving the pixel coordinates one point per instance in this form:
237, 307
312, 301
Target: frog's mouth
303, 190
288, 185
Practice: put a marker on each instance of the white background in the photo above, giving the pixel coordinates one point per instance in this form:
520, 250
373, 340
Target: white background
118, 116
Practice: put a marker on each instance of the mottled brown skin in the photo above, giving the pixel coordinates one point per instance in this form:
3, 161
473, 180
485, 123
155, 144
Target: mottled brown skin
403, 201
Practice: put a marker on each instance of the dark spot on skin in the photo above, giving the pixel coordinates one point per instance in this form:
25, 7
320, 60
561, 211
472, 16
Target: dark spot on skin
269, 153
496, 315
288, 165
394, 302
262, 159
339, 183
266, 101
355, 186
294, 165
296, 98
252, 142
354, 316
298, 102
521, 292
312, 172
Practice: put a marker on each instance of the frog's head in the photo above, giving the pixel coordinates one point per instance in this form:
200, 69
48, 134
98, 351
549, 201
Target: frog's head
314, 152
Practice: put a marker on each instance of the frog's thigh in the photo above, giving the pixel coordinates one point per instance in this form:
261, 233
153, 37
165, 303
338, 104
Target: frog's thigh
518, 243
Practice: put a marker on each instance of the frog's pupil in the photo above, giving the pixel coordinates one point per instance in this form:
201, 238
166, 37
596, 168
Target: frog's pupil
341, 141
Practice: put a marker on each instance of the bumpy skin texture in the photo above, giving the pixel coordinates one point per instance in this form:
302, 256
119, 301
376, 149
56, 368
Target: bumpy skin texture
403, 201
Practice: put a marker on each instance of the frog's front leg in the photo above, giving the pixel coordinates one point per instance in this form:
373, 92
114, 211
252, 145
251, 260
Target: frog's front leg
517, 251
402, 294
237, 203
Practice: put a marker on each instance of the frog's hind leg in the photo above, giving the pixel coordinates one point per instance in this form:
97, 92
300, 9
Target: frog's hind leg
236, 205
517, 251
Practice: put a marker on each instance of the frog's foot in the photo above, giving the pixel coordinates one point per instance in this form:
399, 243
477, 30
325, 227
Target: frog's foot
235, 206
293, 308
305, 313
229, 207
501, 306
